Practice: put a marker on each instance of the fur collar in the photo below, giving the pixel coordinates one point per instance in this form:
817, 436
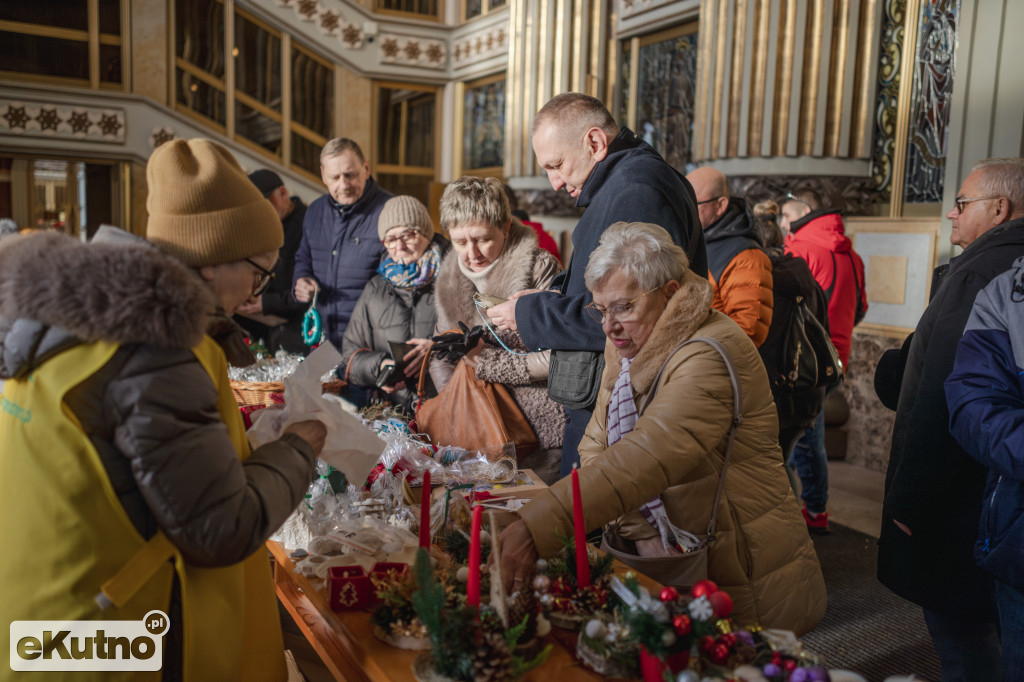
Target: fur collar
511, 272
125, 293
685, 313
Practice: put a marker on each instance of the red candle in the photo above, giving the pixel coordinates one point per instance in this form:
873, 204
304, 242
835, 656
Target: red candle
425, 512
473, 582
580, 531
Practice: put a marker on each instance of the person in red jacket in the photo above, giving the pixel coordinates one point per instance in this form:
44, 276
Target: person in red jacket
818, 236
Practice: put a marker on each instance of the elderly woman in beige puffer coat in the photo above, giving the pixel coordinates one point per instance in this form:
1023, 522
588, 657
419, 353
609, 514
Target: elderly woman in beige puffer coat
649, 302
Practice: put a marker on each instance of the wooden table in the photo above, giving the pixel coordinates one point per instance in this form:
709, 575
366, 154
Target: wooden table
345, 642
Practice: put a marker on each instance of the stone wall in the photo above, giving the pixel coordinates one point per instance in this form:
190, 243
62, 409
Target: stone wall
869, 429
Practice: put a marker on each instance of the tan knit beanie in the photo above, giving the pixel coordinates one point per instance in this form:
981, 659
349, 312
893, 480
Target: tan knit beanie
405, 211
202, 207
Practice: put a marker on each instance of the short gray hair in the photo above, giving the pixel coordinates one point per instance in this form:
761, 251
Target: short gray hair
572, 111
471, 199
1004, 178
339, 146
643, 252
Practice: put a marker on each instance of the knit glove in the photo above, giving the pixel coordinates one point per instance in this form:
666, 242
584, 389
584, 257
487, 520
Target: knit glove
451, 346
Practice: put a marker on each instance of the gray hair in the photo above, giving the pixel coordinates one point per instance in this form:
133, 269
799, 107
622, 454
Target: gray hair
471, 199
339, 146
1004, 178
574, 111
643, 252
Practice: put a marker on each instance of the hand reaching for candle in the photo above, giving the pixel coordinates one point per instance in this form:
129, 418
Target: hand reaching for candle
518, 557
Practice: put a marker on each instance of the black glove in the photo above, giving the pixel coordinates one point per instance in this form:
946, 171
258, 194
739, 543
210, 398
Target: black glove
451, 346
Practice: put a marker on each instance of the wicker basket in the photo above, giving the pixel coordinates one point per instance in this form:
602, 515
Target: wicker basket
259, 392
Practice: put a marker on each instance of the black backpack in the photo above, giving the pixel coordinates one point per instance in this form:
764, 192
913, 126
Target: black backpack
798, 353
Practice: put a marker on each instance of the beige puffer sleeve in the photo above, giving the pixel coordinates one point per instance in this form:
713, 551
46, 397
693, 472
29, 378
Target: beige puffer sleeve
679, 430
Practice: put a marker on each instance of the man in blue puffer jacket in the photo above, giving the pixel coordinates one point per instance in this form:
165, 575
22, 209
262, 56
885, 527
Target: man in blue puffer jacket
340, 249
986, 416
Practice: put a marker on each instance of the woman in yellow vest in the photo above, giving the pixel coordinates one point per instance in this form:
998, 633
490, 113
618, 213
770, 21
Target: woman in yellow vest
126, 482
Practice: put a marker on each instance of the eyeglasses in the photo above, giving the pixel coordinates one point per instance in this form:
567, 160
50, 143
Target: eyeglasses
407, 237
963, 201
263, 277
620, 312
708, 201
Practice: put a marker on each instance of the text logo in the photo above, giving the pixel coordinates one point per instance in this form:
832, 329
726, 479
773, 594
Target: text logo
89, 645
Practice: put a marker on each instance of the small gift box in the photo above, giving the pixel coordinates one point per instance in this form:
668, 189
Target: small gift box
350, 588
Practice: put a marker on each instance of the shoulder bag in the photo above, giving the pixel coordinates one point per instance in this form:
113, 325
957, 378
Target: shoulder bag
473, 414
682, 570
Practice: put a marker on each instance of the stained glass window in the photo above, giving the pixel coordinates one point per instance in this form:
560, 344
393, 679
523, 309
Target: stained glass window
662, 100
483, 125
934, 65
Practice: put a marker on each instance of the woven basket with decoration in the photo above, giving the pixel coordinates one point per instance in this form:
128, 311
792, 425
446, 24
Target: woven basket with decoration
261, 392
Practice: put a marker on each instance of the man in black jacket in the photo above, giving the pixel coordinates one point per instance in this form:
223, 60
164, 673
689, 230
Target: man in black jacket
617, 177
933, 489
275, 315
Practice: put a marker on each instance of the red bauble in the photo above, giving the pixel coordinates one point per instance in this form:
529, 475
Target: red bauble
719, 654
728, 639
668, 594
721, 602
682, 625
703, 588
705, 643
789, 665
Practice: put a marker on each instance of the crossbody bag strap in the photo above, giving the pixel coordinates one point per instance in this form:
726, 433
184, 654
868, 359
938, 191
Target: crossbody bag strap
737, 416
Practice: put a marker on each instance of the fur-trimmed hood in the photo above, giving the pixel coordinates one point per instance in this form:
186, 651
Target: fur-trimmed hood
57, 289
684, 314
512, 271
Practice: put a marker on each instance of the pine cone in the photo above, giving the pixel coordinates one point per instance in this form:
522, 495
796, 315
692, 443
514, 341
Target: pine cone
524, 606
493, 661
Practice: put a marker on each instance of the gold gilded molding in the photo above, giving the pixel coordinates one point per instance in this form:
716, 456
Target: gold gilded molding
759, 72
739, 41
577, 46
634, 78
911, 18
514, 125
808, 124
715, 148
784, 76
837, 77
559, 55
700, 151
860, 124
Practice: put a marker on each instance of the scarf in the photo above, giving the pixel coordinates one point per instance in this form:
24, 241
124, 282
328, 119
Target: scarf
622, 417
412, 275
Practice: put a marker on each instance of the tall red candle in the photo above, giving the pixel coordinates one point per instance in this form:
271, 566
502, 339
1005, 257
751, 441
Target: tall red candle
580, 533
425, 512
473, 582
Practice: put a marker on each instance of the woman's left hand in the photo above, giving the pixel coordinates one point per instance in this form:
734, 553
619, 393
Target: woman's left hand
518, 557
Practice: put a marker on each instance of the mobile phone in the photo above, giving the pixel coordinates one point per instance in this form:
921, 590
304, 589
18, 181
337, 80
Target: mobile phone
488, 301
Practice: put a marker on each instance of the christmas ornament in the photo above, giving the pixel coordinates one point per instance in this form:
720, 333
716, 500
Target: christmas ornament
789, 665
682, 625
721, 602
542, 583
818, 674
772, 670
799, 675
668, 594
702, 588
668, 638
719, 654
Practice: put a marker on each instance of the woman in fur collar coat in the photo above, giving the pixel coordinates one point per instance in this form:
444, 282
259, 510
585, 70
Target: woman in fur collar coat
126, 482
659, 470
493, 253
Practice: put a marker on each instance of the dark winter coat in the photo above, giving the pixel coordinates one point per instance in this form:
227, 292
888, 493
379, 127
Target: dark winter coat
819, 238
341, 250
986, 413
932, 485
385, 313
633, 183
740, 271
278, 298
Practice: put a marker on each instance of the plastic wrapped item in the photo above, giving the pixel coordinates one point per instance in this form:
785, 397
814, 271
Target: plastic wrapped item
283, 364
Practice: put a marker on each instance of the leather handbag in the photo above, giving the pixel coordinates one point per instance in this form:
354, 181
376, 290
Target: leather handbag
681, 570
473, 414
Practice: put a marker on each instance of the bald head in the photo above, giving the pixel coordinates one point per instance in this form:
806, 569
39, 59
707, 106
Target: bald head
712, 190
